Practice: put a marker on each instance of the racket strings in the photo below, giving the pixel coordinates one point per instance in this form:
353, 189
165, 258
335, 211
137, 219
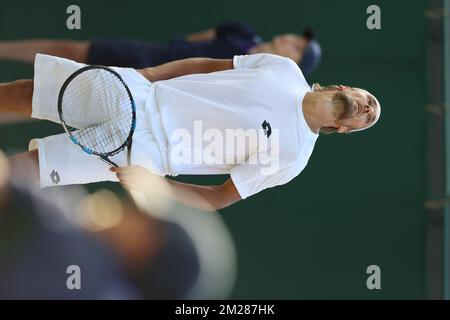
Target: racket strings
97, 110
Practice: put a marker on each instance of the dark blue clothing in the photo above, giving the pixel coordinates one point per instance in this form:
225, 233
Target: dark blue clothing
231, 39
37, 245
34, 257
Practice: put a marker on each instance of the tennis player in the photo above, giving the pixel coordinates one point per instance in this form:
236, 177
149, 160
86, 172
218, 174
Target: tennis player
221, 42
254, 118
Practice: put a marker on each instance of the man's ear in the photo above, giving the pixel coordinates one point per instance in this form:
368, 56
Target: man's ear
317, 87
342, 129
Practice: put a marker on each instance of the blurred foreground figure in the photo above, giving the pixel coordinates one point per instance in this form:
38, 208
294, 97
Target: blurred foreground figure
170, 252
139, 258
34, 259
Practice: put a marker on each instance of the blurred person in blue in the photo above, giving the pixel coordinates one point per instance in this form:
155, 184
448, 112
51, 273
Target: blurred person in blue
221, 42
139, 258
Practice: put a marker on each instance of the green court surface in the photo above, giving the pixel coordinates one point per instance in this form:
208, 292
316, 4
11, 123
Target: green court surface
359, 202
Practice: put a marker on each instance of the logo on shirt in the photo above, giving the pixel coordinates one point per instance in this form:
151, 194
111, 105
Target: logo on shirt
267, 128
54, 176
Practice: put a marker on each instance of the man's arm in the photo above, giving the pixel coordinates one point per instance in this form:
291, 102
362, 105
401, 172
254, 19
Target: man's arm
185, 67
208, 198
206, 35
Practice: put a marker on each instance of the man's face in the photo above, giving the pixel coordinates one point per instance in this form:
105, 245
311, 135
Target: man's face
290, 46
357, 109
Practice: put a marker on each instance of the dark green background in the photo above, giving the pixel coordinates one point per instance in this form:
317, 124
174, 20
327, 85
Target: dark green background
359, 201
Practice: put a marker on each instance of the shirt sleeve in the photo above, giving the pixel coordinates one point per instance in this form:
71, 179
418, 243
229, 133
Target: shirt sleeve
250, 179
259, 60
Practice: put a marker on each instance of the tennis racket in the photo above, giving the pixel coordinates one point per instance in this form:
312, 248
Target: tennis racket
97, 111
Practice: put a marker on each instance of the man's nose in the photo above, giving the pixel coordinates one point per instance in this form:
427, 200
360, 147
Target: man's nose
368, 109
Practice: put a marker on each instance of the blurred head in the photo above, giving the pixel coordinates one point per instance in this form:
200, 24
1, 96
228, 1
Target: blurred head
290, 46
302, 49
355, 109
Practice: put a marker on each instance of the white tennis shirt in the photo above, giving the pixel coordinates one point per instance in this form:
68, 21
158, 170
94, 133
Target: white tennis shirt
247, 122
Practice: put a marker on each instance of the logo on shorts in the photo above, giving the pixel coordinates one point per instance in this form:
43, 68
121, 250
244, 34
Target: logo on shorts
55, 177
267, 128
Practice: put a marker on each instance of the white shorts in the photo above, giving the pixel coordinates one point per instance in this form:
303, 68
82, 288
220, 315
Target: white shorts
60, 161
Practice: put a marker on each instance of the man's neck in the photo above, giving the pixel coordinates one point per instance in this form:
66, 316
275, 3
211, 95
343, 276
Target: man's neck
316, 106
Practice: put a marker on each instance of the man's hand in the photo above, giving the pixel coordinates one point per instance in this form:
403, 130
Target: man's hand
137, 178
208, 198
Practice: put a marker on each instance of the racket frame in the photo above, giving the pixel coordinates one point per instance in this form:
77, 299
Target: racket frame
128, 141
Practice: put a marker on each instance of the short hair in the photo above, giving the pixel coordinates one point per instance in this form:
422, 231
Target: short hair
329, 130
